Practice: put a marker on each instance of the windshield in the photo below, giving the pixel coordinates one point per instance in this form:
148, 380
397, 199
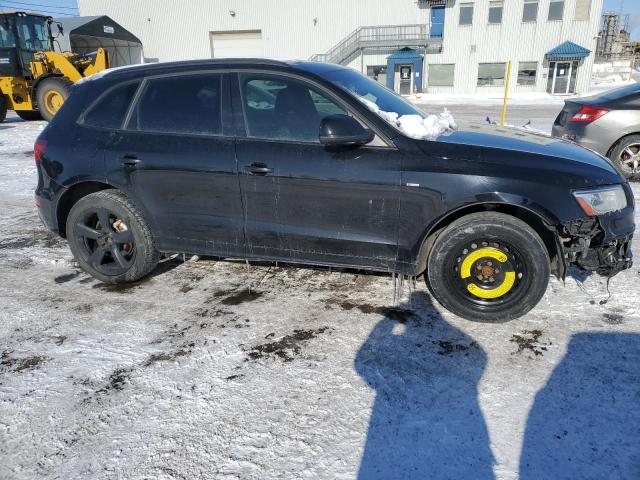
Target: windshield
7, 39
369, 90
391, 107
33, 33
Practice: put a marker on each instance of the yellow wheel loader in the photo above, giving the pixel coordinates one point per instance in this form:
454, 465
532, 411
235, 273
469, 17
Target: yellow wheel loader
35, 80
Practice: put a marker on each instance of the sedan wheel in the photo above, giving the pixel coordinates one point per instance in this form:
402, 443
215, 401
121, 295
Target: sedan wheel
626, 156
630, 159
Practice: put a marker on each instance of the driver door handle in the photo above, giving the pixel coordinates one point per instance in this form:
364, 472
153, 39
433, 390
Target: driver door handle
258, 168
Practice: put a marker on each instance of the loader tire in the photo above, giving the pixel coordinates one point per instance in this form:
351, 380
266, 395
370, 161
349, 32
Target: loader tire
29, 115
3, 108
51, 94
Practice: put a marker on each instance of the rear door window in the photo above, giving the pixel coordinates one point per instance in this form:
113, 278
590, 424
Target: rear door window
184, 104
280, 108
109, 111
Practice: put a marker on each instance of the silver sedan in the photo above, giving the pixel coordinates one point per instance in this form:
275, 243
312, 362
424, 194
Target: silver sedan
608, 123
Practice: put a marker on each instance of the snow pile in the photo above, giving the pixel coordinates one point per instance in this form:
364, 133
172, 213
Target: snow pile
415, 126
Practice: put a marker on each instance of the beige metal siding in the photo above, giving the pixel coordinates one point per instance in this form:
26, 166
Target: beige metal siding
173, 30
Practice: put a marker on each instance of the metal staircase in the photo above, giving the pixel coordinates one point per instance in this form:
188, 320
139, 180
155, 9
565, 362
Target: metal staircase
377, 37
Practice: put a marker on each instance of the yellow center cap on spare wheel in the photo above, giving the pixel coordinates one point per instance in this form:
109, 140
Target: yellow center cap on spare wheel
498, 290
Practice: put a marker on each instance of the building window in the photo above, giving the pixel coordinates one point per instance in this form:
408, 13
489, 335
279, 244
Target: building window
466, 13
378, 73
527, 72
556, 10
441, 75
530, 12
495, 12
491, 74
583, 10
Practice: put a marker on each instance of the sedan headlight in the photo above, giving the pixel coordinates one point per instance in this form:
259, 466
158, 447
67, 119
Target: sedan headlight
598, 201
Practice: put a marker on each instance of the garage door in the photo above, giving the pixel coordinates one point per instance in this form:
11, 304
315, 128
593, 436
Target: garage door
236, 44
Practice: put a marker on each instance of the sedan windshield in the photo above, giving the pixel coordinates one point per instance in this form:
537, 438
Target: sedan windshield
622, 92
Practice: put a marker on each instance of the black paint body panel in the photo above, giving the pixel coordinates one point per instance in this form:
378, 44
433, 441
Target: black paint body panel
368, 207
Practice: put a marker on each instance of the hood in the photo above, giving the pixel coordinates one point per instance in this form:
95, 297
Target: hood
530, 147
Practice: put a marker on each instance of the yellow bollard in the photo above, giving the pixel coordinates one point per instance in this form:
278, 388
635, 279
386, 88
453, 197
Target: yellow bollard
506, 93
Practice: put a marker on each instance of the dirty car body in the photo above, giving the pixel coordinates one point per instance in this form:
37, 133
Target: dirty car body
253, 183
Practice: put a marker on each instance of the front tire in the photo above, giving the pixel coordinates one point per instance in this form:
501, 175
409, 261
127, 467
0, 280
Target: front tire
3, 107
626, 157
51, 94
488, 267
110, 238
29, 115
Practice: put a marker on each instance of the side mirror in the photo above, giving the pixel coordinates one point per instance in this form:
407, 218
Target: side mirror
343, 130
60, 29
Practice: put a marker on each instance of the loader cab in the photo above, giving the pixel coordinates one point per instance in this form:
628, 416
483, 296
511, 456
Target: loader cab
21, 35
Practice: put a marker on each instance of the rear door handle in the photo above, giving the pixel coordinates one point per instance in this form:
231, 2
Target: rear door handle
258, 169
130, 160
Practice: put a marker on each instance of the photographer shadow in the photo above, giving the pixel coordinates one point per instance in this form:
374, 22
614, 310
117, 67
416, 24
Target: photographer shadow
426, 421
585, 422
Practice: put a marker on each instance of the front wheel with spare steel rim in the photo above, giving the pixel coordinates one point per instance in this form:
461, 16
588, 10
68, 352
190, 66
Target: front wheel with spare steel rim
110, 238
488, 267
626, 156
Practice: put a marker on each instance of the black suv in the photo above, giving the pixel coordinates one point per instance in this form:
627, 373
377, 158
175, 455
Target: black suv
313, 163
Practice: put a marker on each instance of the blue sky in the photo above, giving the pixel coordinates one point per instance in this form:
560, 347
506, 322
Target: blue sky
55, 8
69, 7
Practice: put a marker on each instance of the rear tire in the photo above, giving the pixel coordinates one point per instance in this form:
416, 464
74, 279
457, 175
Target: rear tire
110, 238
488, 267
3, 108
626, 157
51, 94
29, 115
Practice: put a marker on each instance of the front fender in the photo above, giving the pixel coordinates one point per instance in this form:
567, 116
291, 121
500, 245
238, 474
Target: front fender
537, 216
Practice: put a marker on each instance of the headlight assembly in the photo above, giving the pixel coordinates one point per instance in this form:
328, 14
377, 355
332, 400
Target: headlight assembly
598, 201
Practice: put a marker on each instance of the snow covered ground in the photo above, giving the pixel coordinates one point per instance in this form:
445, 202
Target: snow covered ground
210, 369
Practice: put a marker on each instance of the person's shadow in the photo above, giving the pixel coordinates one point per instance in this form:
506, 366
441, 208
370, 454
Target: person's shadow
585, 422
426, 422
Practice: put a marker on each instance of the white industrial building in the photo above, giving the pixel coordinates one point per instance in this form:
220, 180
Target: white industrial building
437, 46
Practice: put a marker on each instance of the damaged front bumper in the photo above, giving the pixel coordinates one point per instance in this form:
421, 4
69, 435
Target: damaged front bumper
598, 244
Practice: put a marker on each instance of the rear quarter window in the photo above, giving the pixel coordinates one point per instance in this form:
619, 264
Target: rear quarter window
110, 109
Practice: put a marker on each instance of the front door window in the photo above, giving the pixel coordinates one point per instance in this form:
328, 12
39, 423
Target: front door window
562, 77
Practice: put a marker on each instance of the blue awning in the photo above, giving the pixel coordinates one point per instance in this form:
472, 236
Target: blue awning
404, 54
568, 50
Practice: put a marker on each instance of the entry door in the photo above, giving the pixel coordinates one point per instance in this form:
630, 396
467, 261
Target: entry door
406, 79
176, 158
304, 202
563, 74
562, 77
